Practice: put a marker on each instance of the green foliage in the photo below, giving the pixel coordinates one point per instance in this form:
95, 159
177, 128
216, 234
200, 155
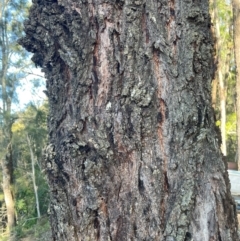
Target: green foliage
12, 13
31, 122
37, 230
13, 56
231, 135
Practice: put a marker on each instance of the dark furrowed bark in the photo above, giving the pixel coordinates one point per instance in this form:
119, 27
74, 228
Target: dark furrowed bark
133, 154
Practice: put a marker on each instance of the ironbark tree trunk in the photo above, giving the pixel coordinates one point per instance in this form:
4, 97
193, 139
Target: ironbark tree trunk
133, 153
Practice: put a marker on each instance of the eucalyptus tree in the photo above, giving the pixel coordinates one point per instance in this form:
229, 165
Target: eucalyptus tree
236, 32
11, 58
133, 152
222, 25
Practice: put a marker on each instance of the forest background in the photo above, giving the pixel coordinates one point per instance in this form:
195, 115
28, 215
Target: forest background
23, 126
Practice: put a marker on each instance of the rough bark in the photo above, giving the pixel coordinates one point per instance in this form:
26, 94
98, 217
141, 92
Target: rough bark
133, 151
236, 37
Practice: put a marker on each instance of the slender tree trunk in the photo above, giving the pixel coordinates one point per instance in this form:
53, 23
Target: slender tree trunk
133, 151
215, 82
34, 177
214, 93
7, 186
236, 34
7, 174
222, 91
6, 137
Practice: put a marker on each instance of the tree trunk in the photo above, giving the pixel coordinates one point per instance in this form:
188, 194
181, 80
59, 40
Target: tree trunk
220, 77
215, 81
133, 151
7, 174
236, 37
6, 125
214, 93
35, 188
222, 110
7, 186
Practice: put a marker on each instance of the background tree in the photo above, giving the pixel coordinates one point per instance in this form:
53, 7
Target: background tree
133, 151
15, 151
224, 81
35, 187
236, 32
11, 15
14, 67
29, 139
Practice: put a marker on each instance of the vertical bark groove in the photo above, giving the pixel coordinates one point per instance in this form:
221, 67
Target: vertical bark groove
133, 151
